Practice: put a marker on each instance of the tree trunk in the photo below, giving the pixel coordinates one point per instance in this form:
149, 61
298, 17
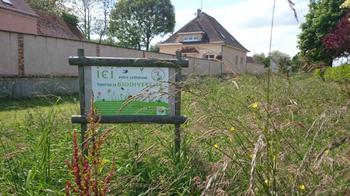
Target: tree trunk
147, 43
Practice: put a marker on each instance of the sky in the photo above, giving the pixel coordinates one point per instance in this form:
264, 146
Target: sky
249, 21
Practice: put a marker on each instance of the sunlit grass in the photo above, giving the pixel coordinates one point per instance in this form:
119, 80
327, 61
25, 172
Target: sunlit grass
224, 142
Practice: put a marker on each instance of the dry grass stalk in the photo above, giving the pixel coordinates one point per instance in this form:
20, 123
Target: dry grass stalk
213, 182
258, 147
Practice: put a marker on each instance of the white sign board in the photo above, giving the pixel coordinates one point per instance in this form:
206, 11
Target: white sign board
130, 90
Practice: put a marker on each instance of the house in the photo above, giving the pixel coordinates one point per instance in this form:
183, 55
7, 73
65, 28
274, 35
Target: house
204, 37
18, 16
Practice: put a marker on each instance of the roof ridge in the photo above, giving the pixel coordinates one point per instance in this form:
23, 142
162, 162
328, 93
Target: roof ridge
214, 31
224, 29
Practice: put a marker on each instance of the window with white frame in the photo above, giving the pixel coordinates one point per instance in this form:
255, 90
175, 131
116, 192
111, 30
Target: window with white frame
191, 38
209, 56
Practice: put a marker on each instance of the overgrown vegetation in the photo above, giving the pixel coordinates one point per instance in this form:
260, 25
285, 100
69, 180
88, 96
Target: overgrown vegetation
322, 17
227, 147
338, 74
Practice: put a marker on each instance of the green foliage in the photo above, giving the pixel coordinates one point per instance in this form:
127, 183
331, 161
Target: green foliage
262, 59
51, 6
338, 74
346, 4
283, 60
154, 48
136, 22
70, 18
322, 17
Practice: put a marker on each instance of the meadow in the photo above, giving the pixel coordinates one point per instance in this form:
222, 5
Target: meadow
238, 140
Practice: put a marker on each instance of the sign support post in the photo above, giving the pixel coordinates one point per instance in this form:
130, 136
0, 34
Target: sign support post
178, 107
83, 126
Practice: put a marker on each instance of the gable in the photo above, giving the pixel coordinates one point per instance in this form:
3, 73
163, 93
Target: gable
212, 30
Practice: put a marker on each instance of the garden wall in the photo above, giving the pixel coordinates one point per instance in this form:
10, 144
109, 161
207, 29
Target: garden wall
24, 58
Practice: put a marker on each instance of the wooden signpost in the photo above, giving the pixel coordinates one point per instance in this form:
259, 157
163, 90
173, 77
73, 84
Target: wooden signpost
130, 90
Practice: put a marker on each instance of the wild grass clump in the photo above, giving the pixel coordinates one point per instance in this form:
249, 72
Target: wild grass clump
228, 148
307, 116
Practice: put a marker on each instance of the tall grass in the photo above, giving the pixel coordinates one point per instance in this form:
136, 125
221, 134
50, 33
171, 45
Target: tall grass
224, 143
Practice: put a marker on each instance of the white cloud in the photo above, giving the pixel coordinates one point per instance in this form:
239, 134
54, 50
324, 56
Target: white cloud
249, 22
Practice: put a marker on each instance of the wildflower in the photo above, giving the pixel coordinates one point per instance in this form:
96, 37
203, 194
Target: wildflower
326, 152
216, 146
104, 161
254, 105
302, 187
274, 158
267, 182
232, 129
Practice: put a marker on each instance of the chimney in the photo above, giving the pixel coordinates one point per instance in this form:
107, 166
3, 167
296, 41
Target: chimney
199, 12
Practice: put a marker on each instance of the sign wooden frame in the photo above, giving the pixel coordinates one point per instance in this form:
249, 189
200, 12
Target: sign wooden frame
85, 63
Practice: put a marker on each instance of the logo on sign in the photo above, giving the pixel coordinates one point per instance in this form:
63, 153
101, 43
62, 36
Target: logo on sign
157, 74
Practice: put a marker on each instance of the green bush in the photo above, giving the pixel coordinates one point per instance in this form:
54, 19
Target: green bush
338, 74
317, 73
70, 19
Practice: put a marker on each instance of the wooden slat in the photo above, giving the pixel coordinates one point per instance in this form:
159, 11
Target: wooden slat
132, 119
127, 62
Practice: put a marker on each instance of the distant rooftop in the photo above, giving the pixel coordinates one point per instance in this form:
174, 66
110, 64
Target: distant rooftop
17, 6
54, 26
213, 31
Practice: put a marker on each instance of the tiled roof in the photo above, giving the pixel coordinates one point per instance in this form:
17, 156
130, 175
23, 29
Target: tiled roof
53, 26
214, 31
18, 6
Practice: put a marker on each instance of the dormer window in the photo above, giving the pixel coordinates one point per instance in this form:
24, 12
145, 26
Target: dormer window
188, 37
7, 2
191, 38
209, 56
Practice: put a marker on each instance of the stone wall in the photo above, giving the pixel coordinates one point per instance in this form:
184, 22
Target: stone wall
27, 87
32, 65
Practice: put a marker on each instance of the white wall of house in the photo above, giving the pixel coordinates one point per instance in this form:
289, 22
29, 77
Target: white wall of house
234, 60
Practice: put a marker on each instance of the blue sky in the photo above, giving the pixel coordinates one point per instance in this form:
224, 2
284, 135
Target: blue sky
249, 21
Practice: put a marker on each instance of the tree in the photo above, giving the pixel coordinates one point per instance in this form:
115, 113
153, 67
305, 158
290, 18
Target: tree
101, 24
51, 6
155, 48
283, 60
136, 22
84, 10
262, 59
322, 17
337, 42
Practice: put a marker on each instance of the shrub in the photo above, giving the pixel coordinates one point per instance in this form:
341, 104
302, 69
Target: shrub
338, 74
70, 19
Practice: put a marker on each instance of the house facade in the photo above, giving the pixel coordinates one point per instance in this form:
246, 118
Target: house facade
204, 37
